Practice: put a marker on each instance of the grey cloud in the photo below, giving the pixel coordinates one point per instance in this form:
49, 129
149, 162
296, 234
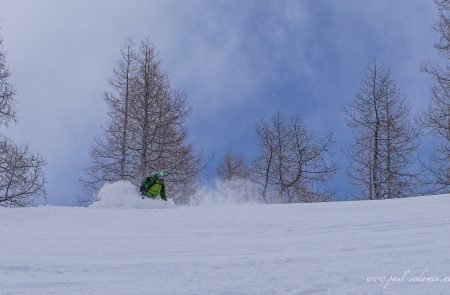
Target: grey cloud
237, 61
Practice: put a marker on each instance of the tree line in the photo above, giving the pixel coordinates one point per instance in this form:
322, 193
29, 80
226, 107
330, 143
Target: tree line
295, 166
146, 131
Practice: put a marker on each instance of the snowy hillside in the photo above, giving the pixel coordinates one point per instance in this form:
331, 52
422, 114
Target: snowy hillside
327, 248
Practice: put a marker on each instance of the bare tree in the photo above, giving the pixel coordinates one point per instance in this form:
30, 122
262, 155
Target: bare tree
292, 164
7, 91
437, 117
385, 138
22, 179
111, 154
233, 166
159, 133
146, 130
263, 164
442, 27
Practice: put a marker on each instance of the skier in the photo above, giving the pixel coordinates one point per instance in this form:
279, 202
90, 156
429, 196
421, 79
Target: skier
153, 186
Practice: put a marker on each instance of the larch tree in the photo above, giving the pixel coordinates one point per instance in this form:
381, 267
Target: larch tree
146, 131
159, 139
385, 138
111, 157
437, 117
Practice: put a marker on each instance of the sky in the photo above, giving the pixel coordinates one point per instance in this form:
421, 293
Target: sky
237, 61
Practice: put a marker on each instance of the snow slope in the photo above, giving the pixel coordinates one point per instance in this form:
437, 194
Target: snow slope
327, 248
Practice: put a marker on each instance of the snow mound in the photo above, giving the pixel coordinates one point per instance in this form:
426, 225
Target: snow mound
124, 195
230, 192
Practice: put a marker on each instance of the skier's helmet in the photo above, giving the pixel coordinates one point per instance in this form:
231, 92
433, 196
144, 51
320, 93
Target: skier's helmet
161, 175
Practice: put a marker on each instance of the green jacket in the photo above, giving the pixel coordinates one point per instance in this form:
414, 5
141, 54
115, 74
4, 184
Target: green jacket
151, 188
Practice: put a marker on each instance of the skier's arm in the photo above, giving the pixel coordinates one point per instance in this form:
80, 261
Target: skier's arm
163, 192
143, 186
147, 183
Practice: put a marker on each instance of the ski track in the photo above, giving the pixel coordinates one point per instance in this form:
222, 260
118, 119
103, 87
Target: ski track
327, 248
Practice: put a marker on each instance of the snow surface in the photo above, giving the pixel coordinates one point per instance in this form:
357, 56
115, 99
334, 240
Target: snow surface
326, 248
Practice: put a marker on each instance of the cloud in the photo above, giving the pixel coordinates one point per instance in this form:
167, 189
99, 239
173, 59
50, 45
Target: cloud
238, 61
